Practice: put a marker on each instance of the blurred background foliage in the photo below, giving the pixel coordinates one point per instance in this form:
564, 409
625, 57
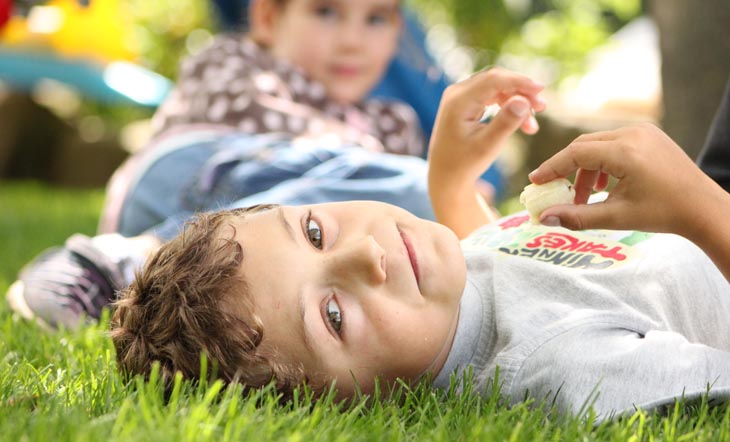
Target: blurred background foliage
166, 31
557, 33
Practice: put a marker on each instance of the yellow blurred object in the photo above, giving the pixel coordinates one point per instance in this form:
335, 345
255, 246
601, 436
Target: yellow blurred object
102, 31
15, 33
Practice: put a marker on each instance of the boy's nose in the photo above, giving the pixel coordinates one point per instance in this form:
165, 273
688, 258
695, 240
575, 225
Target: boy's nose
362, 260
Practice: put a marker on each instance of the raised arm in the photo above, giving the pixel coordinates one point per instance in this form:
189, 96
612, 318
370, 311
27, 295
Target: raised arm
659, 189
462, 147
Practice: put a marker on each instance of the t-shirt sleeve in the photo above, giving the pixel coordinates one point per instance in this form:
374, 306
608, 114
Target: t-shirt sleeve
616, 370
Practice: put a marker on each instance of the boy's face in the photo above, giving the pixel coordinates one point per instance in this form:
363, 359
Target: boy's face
353, 290
345, 44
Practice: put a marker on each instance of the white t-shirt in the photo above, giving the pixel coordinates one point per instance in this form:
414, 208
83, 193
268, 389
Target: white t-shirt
614, 319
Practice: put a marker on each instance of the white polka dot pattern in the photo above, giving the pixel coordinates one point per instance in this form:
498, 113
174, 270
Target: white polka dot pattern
237, 83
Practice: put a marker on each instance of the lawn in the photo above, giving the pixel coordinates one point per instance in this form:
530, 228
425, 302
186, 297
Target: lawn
64, 386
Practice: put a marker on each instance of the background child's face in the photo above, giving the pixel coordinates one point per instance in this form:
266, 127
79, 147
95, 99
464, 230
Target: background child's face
345, 44
359, 289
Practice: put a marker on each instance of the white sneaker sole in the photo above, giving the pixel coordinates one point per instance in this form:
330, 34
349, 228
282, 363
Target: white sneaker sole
17, 303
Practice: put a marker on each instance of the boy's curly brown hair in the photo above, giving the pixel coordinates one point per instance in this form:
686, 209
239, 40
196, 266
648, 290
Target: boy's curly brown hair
180, 306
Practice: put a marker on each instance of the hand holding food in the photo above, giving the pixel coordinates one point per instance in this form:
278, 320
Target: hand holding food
538, 197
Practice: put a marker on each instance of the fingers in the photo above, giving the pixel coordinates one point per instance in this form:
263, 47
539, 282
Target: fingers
495, 85
583, 216
601, 182
601, 156
530, 125
585, 181
507, 84
652, 172
605, 152
516, 113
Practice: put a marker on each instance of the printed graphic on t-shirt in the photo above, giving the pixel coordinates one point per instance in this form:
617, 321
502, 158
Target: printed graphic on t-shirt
589, 249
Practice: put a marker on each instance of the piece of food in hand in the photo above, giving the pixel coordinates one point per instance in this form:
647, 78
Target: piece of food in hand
538, 197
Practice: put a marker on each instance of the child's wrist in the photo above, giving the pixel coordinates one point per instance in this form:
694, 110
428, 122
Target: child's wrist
702, 218
450, 190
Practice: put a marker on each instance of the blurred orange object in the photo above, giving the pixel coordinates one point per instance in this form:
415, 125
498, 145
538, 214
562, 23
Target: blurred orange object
101, 31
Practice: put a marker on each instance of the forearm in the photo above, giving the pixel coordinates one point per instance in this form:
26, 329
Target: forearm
462, 147
461, 208
709, 228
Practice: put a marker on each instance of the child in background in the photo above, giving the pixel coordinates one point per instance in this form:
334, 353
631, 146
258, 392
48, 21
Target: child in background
614, 319
305, 68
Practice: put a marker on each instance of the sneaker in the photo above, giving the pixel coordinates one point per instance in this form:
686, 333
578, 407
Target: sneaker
66, 284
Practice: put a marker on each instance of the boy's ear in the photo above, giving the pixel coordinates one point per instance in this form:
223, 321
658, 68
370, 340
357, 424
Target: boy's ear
262, 16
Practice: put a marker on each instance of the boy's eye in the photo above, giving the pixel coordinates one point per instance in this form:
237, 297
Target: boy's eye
314, 232
332, 310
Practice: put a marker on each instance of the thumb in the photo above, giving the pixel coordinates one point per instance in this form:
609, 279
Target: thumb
514, 113
580, 216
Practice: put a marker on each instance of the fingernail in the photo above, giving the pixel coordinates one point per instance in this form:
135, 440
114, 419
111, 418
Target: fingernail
529, 175
551, 221
519, 108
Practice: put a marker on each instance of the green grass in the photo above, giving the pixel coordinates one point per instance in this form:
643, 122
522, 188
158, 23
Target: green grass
64, 386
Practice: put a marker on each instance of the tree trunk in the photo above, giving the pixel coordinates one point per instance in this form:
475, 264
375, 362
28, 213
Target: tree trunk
694, 38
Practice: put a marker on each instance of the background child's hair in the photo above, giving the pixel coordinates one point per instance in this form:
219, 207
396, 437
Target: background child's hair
191, 299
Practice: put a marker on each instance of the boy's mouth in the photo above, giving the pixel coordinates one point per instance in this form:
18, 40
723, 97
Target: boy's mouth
411, 256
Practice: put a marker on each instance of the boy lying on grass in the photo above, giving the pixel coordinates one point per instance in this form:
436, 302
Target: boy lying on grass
357, 291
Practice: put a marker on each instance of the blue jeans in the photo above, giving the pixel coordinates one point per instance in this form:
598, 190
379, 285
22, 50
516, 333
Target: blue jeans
206, 169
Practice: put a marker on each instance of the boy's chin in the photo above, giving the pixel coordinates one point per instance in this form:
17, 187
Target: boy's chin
384, 389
